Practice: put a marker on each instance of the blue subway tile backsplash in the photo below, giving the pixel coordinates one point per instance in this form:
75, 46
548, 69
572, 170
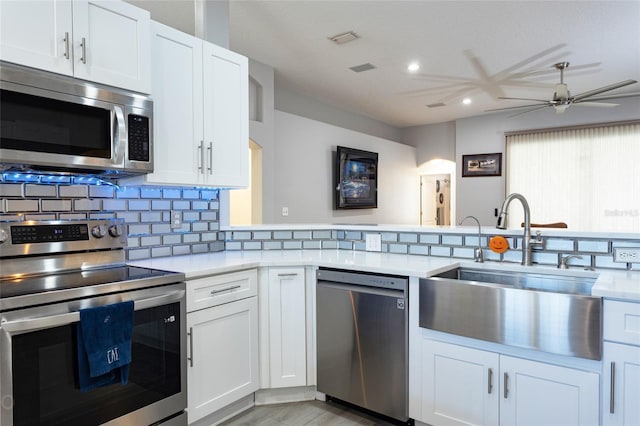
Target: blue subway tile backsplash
147, 212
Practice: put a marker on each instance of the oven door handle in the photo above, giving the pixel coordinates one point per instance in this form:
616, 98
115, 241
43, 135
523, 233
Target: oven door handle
52, 321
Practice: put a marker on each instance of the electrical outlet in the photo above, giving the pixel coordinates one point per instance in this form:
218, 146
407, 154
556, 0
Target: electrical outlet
626, 255
176, 219
373, 242
285, 211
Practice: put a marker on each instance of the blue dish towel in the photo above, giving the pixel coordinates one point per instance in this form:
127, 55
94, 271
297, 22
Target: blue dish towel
104, 345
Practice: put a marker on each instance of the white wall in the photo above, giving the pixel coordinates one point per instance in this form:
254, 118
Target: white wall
479, 196
433, 141
295, 103
304, 175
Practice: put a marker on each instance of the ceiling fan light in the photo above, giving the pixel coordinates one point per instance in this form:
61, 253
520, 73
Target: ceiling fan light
560, 108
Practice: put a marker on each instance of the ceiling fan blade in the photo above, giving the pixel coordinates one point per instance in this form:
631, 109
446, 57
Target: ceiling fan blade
595, 104
524, 99
618, 96
518, 107
490, 85
525, 112
603, 89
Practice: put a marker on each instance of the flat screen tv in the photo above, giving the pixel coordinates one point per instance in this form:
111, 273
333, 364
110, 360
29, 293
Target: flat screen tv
356, 179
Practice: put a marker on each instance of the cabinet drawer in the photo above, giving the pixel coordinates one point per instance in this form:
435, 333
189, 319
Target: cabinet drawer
622, 322
218, 289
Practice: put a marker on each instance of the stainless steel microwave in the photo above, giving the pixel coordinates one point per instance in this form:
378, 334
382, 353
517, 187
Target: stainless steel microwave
57, 124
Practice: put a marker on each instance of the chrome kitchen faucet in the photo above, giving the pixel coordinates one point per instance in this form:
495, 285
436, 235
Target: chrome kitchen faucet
527, 241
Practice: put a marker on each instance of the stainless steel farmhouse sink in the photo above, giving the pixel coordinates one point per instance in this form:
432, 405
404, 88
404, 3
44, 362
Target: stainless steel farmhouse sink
542, 311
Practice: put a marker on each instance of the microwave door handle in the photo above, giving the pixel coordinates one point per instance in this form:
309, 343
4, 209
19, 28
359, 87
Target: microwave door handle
121, 134
52, 321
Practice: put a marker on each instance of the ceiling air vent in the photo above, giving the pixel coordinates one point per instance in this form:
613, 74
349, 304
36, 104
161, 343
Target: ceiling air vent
344, 37
436, 105
363, 67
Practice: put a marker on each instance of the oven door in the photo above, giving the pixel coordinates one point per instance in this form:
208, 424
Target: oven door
38, 369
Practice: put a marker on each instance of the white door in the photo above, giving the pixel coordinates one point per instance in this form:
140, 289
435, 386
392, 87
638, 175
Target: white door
37, 34
621, 391
535, 393
226, 117
111, 44
435, 200
287, 327
177, 107
460, 386
223, 360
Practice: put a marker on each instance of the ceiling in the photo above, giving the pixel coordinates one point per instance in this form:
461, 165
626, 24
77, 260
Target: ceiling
475, 49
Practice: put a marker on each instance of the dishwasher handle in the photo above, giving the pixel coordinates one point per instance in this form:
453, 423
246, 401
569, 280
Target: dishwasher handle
398, 294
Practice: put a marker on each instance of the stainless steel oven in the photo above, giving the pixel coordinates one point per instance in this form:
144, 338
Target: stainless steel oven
60, 124
41, 296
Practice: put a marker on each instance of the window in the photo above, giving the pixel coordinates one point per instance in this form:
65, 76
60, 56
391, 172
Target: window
586, 177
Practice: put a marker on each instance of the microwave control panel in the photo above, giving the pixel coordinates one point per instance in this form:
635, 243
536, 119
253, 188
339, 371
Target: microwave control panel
138, 137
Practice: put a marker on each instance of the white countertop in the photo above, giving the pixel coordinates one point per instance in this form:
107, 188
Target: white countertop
610, 284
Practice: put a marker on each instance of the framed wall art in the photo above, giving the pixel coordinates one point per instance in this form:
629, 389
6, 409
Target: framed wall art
482, 165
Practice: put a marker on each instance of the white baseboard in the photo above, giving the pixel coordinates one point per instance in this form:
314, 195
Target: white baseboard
283, 395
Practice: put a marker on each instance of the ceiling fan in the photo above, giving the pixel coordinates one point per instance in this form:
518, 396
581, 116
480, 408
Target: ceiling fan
562, 98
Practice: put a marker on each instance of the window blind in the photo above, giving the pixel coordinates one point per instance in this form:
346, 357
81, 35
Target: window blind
586, 177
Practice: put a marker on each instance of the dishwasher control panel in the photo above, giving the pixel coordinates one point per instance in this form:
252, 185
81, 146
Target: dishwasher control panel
362, 278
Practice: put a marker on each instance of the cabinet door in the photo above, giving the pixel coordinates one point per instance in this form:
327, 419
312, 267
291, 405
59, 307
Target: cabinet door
621, 390
287, 328
223, 356
460, 386
111, 44
226, 117
177, 107
535, 393
37, 34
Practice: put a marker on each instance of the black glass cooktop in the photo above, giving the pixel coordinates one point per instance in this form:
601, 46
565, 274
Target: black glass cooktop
118, 275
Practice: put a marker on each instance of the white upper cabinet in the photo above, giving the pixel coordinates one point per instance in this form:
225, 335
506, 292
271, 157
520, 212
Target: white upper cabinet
37, 34
226, 117
101, 41
201, 124
177, 107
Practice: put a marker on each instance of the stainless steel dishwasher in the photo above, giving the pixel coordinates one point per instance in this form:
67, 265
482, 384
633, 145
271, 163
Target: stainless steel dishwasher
362, 340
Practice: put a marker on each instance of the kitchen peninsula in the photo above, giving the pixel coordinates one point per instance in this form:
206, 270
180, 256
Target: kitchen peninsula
284, 259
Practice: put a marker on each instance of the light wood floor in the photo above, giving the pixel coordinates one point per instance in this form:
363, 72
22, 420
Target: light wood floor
304, 413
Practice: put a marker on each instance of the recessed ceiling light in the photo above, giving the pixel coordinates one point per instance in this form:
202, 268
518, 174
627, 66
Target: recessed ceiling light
413, 67
466, 101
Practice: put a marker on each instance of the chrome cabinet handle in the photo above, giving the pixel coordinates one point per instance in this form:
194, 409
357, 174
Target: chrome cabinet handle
225, 289
201, 149
190, 357
612, 397
83, 56
490, 380
66, 45
506, 385
210, 149
291, 274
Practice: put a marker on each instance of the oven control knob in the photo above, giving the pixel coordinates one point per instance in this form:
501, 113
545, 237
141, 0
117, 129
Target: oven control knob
3, 236
99, 231
115, 230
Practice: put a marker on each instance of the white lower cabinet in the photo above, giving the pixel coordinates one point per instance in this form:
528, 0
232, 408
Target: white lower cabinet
465, 386
621, 364
223, 363
285, 328
459, 385
536, 393
621, 385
